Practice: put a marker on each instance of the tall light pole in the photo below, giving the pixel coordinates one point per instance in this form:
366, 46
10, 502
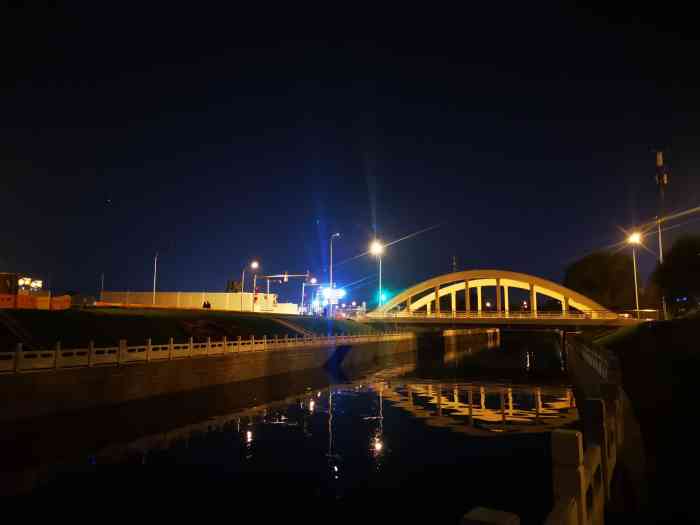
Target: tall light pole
312, 282
376, 248
254, 265
633, 240
330, 274
155, 271
662, 182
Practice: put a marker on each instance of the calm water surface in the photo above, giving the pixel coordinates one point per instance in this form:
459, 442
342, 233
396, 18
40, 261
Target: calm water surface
464, 421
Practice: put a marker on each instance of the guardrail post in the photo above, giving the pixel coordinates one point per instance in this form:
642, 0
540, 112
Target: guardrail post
225, 344
252, 342
148, 349
568, 472
208, 345
18, 357
56, 354
191, 346
238, 342
122, 350
170, 349
91, 351
265, 342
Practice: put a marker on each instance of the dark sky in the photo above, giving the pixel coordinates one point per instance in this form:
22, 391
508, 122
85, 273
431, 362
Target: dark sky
214, 137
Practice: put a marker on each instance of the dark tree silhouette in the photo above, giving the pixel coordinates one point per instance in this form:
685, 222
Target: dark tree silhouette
605, 277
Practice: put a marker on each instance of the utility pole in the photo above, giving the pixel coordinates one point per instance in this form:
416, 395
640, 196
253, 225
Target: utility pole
102, 285
155, 271
454, 263
662, 182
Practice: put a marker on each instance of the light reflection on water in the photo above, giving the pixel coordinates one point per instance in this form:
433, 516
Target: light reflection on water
375, 435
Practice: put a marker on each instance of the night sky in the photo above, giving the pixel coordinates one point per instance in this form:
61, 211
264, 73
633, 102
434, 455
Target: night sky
215, 137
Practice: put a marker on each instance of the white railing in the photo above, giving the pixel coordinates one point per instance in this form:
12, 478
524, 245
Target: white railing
64, 358
494, 315
599, 359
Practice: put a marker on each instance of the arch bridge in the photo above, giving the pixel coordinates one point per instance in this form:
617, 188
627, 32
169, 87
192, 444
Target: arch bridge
425, 302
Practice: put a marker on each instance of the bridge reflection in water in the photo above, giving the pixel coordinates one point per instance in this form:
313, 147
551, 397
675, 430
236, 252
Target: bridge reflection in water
378, 437
484, 409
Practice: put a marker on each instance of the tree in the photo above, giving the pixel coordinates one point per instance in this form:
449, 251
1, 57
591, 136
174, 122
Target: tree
605, 277
233, 286
679, 276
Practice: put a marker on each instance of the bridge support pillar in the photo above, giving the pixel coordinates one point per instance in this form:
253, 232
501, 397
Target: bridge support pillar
437, 301
533, 300
478, 298
565, 306
505, 299
499, 305
467, 301
408, 304
427, 308
454, 302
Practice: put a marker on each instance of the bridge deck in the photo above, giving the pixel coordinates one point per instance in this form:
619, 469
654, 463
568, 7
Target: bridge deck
503, 319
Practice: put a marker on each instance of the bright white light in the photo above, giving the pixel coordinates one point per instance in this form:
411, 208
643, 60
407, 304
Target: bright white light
378, 445
313, 280
255, 265
249, 436
312, 404
635, 238
341, 293
488, 304
326, 293
335, 467
376, 248
354, 303
342, 305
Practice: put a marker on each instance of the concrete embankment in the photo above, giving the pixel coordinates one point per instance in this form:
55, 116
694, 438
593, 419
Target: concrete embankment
32, 394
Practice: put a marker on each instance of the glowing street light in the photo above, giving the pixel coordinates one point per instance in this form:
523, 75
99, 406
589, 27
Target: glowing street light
312, 282
633, 240
376, 248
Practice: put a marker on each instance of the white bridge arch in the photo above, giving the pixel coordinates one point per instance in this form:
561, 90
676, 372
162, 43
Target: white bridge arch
449, 284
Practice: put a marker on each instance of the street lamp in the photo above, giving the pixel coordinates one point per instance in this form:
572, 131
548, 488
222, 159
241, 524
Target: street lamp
377, 249
633, 240
155, 271
312, 282
254, 265
330, 271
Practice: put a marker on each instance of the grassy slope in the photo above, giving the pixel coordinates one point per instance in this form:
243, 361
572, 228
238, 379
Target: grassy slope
660, 368
105, 326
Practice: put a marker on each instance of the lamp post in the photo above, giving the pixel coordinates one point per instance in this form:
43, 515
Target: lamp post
330, 273
312, 282
377, 249
633, 240
254, 265
155, 271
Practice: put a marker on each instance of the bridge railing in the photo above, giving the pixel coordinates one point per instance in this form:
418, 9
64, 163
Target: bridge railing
22, 360
596, 314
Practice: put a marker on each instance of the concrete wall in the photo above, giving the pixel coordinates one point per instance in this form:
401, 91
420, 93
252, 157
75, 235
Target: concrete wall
37, 394
219, 301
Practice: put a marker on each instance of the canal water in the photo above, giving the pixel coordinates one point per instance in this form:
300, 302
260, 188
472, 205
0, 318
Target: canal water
463, 421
